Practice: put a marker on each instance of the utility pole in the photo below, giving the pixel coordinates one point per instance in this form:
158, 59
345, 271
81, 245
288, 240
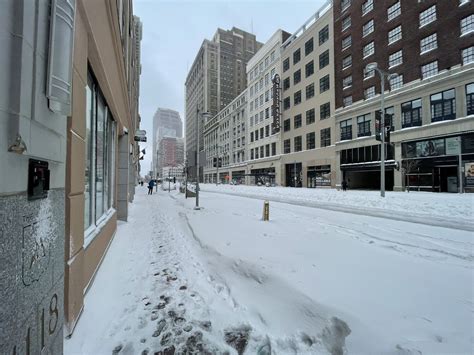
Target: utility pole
198, 117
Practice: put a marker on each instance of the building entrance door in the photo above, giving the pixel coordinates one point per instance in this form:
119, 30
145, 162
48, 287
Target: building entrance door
446, 177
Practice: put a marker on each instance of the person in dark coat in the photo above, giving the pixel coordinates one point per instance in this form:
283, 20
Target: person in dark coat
344, 185
150, 187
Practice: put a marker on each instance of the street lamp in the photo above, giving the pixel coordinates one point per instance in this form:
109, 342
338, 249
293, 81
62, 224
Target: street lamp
383, 75
198, 117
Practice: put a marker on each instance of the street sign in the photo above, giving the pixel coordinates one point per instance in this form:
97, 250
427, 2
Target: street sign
140, 133
139, 139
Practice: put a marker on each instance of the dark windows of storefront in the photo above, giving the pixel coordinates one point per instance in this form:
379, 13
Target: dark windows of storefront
363, 125
319, 175
411, 113
470, 99
293, 174
286, 146
365, 154
298, 144
287, 125
346, 129
325, 137
310, 140
443, 106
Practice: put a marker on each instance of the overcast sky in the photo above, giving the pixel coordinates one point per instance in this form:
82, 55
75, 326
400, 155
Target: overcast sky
173, 31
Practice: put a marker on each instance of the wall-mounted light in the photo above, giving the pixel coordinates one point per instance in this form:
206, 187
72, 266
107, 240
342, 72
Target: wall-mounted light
19, 146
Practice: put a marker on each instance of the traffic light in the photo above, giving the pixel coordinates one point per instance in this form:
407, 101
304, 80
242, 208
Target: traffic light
214, 162
387, 126
220, 162
174, 179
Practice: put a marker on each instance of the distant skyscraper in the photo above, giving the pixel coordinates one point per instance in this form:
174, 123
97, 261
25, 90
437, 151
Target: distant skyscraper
217, 76
166, 123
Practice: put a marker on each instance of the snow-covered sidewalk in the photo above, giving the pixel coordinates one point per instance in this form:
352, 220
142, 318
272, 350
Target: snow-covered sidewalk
439, 209
310, 281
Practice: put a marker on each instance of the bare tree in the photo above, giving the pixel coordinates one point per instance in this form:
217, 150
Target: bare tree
409, 166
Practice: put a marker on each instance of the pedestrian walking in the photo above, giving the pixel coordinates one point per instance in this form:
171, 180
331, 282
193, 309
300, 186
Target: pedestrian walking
150, 187
344, 185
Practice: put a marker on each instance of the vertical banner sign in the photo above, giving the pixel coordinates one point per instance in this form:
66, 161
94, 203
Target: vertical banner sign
276, 104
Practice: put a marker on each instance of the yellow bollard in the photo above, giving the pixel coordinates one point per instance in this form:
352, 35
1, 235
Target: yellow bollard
266, 210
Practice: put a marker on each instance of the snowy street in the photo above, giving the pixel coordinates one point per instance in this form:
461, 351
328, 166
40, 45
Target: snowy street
309, 281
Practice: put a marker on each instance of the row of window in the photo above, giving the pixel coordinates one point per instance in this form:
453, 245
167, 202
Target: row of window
324, 113
262, 65
443, 108
263, 151
308, 48
325, 141
323, 86
309, 70
263, 82
264, 132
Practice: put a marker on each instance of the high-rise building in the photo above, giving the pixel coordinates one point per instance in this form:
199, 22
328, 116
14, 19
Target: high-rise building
263, 143
166, 123
216, 77
308, 103
428, 47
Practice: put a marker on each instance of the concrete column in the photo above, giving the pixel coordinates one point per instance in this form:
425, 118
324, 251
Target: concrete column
304, 173
461, 108
398, 180
337, 168
426, 110
122, 178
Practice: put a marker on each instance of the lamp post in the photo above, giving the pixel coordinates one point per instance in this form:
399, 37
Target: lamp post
198, 118
383, 75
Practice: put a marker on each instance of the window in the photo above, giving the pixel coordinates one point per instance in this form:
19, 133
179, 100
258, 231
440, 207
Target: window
394, 11
347, 62
297, 98
267, 130
368, 28
467, 25
363, 126
310, 116
325, 137
443, 106
468, 55
256, 153
267, 113
266, 61
368, 73
411, 113
298, 121
256, 135
369, 92
346, 129
309, 68
286, 146
287, 125
428, 16
251, 154
298, 144
261, 132
396, 82
267, 95
267, 150
286, 103
324, 111
347, 82
324, 35
470, 98
390, 111
395, 59
346, 23
251, 121
286, 64
296, 77
324, 84
428, 43
310, 141
286, 84
309, 91
274, 149
369, 49
324, 59
463, 2
308, 46
367, 7
347, 100
429, 69
346, 42
267, 79
345, 4
100, 156
296, 56
395, 34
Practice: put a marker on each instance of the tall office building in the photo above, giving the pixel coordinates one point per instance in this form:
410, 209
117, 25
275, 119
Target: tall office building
216, 77
166, 123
